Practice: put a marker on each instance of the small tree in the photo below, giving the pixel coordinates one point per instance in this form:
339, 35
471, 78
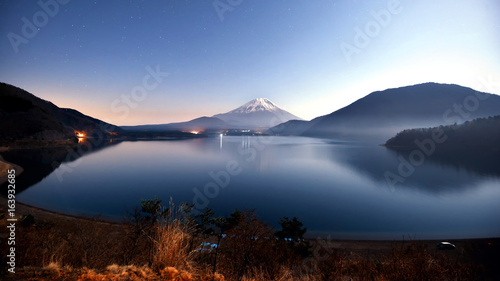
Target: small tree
154, 210
293, 232
233, 219
204, 223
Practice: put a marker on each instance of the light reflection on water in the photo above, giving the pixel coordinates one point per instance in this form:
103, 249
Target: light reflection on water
333, 187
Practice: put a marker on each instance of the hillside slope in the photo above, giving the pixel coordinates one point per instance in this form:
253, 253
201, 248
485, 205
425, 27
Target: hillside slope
198, 124
478, 135
27, 118
384, 113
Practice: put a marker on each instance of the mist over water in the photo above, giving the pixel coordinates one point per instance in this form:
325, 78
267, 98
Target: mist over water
334, 187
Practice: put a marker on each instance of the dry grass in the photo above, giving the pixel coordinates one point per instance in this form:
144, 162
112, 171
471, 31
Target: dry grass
172, 247
412, 262
116, 272
53, 266
90, 250
76, 243
284, 274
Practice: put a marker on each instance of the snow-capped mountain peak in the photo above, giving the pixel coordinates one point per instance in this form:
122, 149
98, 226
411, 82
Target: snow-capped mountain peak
258, 104
257, 113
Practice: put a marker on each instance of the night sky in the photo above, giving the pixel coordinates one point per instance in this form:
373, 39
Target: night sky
110, 59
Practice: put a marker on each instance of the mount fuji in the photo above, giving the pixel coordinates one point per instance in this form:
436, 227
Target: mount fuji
259, 113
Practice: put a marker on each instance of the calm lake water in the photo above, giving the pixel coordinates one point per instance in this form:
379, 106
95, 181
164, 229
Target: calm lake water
335, 188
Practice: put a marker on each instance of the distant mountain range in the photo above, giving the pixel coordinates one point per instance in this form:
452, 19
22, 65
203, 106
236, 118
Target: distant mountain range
256, 114
381, 114
195, 125
27, 118
384, 113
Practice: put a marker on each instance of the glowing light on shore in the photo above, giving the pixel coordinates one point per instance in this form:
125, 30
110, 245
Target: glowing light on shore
80, 134
195, 132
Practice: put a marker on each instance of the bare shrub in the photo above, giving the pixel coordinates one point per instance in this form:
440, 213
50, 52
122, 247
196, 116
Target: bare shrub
172, 246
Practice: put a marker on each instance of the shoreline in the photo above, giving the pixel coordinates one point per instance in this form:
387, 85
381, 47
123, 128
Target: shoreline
6, 166
44, 214
485, 248
23, 209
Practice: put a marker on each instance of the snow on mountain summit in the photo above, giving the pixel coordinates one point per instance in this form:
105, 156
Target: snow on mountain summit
258, 104
257, 113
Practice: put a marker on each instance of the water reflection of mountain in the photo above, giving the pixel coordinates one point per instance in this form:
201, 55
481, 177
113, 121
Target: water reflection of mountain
483, 164
440, 173
41, 162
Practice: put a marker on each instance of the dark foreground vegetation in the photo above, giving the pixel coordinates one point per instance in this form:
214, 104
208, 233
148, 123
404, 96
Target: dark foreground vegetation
158, 243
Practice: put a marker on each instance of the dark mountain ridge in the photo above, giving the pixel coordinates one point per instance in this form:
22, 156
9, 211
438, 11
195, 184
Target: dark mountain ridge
27, 118
384, 113
198, 124
379, 115
473, 145
481, 134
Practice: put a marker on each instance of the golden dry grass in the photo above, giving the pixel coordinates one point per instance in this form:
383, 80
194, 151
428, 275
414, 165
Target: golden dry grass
403, 264
86, 250
172, 247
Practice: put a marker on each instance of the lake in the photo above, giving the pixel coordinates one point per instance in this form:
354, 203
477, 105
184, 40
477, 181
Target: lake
336, 188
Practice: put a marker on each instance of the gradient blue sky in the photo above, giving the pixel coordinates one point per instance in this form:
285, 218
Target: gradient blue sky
90, 53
